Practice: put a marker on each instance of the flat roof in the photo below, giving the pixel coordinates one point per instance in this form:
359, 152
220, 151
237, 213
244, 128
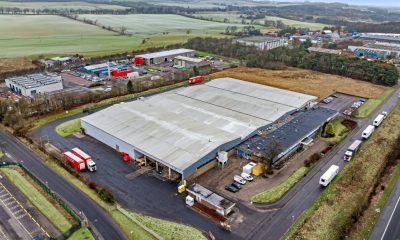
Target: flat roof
179, 128
165, 53
290, 133
324, 50
210, 196
35, 80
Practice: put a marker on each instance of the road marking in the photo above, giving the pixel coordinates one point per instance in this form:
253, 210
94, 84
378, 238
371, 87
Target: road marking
384, 232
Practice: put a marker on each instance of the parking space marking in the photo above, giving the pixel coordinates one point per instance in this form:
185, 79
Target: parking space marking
25, 212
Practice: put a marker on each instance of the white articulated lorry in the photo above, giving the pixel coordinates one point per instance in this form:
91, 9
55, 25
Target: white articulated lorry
368, 131
378, 120
329, 175
353, 148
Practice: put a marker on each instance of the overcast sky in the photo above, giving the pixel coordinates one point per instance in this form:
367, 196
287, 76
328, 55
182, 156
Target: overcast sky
355, 2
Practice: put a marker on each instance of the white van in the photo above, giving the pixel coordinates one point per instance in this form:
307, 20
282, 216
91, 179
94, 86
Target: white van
378, 120
368, 131
329, 175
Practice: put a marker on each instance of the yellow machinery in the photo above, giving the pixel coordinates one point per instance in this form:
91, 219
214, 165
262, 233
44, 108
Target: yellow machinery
258, 169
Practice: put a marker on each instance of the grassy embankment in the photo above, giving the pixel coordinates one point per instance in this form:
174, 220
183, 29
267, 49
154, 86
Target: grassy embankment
67, 128
347, 196
37, 198
367, 108
165, 229
277, 192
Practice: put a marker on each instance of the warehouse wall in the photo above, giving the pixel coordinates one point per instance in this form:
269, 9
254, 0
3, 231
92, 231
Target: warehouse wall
110, 140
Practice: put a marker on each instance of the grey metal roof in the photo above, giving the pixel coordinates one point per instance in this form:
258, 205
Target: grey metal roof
291, 133
35, 80
165, 53
181, 127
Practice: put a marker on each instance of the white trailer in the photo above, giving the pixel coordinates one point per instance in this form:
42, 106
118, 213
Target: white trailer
378, 120
329, 175
353, 148
368, 131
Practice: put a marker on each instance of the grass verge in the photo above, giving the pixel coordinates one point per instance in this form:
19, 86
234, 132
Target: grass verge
364, 227
166, 229
348, 195
37, 199
275, 193
67, 128
52, 117
81, 234
367, 108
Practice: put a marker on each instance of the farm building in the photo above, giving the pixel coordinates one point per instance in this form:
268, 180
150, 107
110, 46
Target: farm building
289, 137
33, 84
183, 131
188, 62
263, 43
164, 56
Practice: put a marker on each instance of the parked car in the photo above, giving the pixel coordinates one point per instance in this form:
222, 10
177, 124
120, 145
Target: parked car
246, 176
236, 185
230, 188
239, 179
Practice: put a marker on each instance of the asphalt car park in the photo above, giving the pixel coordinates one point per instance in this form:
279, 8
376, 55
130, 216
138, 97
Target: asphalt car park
340, 102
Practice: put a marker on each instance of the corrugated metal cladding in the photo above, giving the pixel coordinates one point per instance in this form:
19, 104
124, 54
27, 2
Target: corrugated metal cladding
184, 129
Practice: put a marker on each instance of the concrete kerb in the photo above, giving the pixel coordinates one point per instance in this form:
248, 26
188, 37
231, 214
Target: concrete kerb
126, 214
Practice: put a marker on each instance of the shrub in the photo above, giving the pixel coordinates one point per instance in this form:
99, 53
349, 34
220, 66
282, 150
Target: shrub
106, 195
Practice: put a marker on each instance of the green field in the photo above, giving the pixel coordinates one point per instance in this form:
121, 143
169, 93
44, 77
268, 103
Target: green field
366, 109
146, 25
58, 5
234, 17
50, 35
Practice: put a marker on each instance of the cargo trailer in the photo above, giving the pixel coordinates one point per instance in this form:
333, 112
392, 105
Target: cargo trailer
90, 164
75, 161
353, 148
378, 120
368, 131
329, 175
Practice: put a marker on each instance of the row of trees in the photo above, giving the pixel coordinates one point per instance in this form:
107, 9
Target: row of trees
298, 56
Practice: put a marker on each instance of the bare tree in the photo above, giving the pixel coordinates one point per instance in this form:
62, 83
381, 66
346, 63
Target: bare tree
272, 151
123, 30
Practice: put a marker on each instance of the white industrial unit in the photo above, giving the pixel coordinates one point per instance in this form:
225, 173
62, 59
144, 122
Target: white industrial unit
263, 43
165, 56
33, 84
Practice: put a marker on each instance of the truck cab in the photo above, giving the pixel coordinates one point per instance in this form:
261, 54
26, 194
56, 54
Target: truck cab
348, 155
91, 165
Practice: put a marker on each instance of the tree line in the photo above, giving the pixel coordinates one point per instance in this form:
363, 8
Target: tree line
297, 56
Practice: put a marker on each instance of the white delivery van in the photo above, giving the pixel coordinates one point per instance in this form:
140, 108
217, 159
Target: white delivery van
329, 175
378, 120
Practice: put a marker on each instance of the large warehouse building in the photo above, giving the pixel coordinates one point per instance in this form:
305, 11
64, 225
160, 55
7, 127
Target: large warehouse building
184, 130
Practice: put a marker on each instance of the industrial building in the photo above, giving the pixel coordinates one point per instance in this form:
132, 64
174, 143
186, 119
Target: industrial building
289, 138
33, 84
183, 131
381, 37
263, 43
202, 195
377, 50
188, 62
164, 56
